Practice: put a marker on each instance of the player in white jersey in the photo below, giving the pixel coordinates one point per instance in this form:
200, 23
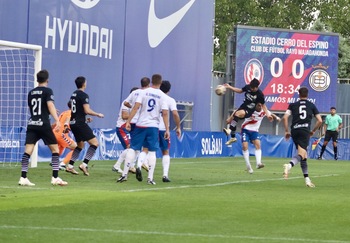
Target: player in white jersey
165, 143
123, 135
130, 102
250, 133
151, 103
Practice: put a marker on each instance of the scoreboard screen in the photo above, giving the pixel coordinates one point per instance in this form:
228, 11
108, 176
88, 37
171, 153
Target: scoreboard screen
283, 61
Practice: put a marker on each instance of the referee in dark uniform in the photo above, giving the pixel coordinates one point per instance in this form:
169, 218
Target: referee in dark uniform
41, 106
78, 123
302, 112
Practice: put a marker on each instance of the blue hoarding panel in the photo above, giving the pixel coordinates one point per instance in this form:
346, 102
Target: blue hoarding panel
82, 39
173, 38
114, 43
14, 20
203, 144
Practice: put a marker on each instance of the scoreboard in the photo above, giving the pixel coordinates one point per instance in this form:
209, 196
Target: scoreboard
283, 61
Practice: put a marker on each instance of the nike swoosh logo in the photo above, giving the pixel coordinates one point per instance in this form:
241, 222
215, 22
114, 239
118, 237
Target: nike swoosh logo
158, 28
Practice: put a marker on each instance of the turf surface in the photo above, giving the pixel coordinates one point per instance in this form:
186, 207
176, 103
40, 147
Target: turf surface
208, 200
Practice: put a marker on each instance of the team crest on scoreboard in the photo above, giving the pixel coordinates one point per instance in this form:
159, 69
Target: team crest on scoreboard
319, 79
253, 69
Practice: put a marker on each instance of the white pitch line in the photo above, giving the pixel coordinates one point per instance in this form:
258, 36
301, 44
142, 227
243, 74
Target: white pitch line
193, 235
218, 184
185, 186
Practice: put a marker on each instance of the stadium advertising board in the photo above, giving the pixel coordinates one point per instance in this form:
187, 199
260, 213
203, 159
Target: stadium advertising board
173, 38
283, 60
114, 43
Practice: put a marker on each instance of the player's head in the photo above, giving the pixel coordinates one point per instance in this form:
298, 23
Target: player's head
133, 89
80, 82
42, 76
303, 92
333, 110
258, 107
145, 82
254, 85
165, 86
156, 79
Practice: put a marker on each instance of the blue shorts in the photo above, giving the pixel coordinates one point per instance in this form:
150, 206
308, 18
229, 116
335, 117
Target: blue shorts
164, 144
249, 136
124, 136
145, 137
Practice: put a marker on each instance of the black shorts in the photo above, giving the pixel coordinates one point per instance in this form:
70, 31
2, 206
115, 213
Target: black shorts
35, 133
248, 111
82, 132
331, 135
301, 137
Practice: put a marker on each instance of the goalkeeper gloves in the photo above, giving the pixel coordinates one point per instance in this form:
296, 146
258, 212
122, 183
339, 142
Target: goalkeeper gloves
66, 128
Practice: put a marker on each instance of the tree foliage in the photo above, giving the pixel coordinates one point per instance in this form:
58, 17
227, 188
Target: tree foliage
286, 14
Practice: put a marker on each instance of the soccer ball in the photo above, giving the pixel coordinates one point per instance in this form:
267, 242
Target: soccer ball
220, 90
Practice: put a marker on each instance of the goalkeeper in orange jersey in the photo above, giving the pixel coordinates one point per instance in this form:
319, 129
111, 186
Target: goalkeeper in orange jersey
64, 140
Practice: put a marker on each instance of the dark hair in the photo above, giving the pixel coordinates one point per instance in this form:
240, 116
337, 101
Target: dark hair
42, 76
303, 92
145, 82
254, 83
165, 86
333, 108
133, 89
80, 81
69, 104
156, 79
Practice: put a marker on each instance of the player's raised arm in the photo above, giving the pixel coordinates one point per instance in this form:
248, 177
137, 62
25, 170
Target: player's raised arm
275, 117
234, 89
267, 112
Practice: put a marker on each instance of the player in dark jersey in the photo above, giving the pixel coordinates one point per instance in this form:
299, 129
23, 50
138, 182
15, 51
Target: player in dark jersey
41, 106
302, 112
252, 96
82, 132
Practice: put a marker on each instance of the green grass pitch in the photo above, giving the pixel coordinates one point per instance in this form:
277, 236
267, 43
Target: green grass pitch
208, 200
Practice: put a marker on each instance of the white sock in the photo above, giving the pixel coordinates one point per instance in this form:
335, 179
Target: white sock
129, 159
152, 164
120, 159
258, 156
145, 161
141, 159
166, 164
136, 158
246, 158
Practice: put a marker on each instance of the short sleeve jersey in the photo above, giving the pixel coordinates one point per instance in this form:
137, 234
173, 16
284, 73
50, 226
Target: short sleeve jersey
37, 103
152, 103
252, 98
302, 112
333, 122
120, 120
171, 103
131, 99
253, 122
78, 99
